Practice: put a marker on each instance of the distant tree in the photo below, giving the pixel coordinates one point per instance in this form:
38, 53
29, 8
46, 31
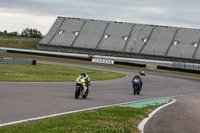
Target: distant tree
32, 33
5, 32
1, 33
28, 32
15, 33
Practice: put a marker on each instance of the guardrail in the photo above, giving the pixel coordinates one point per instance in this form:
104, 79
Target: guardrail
62, 54
86, 57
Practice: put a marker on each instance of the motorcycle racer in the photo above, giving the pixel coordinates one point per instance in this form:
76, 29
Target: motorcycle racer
86, 81
140, 79
141, 73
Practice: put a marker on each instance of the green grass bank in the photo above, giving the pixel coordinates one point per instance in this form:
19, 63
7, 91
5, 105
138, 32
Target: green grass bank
50, 73
17, 43
107, 120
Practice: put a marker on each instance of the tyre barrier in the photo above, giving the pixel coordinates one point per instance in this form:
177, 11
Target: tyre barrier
130, 64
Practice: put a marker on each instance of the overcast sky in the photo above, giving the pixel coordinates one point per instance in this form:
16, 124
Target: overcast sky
16, 15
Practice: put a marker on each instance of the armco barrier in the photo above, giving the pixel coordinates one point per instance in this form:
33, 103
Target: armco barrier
130, 64
50, 55
178, 69
17, 61
53, 54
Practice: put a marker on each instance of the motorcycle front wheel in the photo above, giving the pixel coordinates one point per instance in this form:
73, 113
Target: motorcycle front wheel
77, 92
135, 90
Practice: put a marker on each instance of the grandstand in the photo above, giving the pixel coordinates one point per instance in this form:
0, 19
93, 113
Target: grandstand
122, 39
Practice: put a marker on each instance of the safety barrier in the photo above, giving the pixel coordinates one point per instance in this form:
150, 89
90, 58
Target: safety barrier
17, 61
130, 64
192, 66
178, 69
3, 50
84, 57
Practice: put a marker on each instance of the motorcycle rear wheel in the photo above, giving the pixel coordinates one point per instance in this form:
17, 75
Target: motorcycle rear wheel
138, 92
86, 93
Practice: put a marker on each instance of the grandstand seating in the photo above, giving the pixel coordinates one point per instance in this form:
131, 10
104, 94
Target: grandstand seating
67, 37
159, 41
198, 54
52, 31
90, 34
115, 41
137, 38
185, 47
127, 38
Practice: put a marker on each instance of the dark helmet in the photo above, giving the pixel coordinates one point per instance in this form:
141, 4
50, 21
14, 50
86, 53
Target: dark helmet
137, 76
83, 74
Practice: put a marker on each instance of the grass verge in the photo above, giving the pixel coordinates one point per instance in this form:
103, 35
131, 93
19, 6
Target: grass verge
149, 68
16, 43
50, 73
107, 120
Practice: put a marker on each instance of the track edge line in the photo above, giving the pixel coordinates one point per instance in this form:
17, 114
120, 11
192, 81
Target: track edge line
144, 121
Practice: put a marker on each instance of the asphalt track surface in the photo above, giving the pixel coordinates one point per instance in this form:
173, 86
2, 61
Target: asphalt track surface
24, 100
181, 117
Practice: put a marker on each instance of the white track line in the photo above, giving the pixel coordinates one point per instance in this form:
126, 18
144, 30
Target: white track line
144, 121
99, 107
190, 94
75, 111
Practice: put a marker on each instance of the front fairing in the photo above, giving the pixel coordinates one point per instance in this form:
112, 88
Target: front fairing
80, 80
136, 81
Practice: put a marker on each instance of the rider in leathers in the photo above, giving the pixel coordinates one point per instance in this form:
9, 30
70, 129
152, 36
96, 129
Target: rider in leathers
138, 77
86, 84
